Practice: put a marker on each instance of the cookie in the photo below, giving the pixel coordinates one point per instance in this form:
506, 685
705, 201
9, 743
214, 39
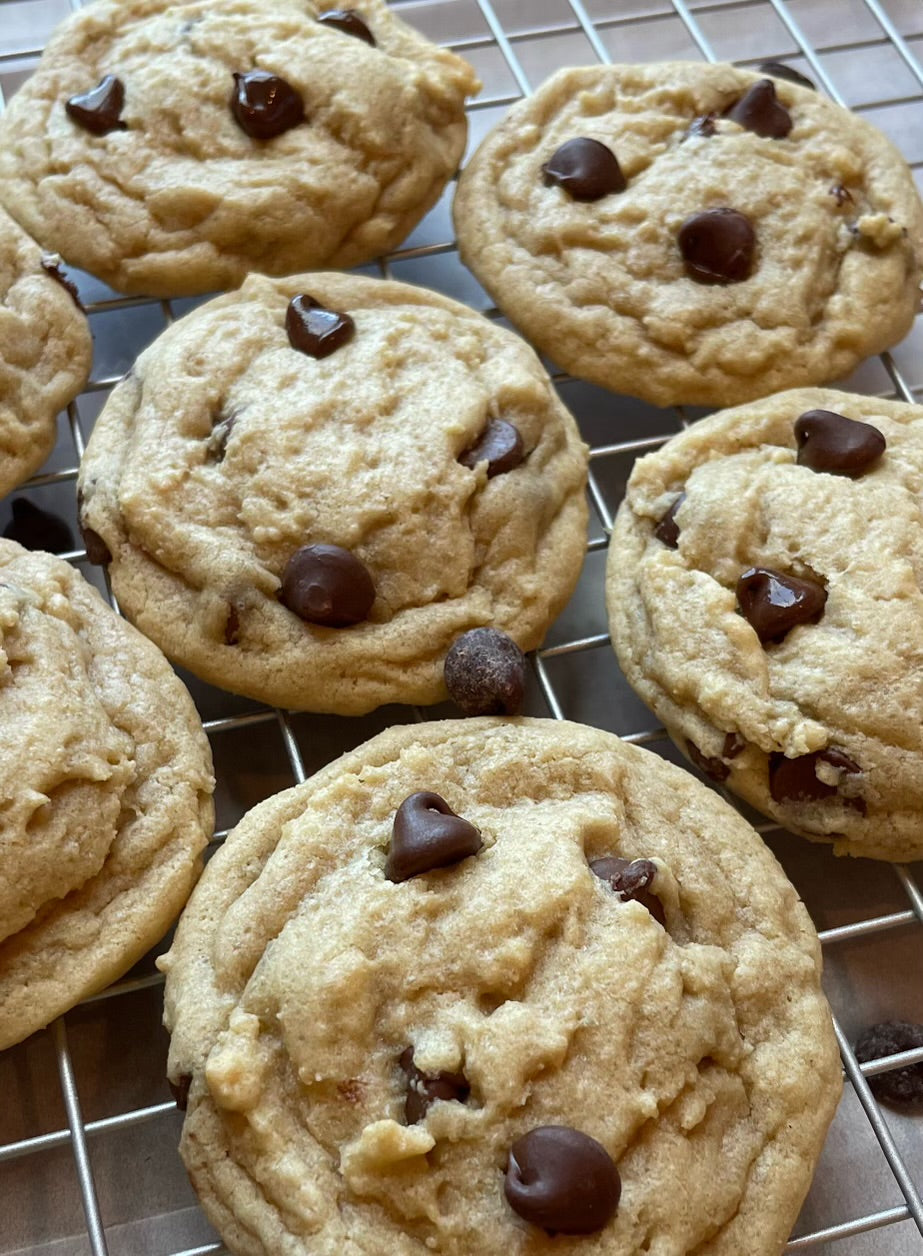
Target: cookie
172, 147
482, 979
45, 352
309, 488
105, 785
693, 233
763, 599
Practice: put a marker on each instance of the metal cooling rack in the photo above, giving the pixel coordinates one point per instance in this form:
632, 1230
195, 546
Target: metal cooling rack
87, 1131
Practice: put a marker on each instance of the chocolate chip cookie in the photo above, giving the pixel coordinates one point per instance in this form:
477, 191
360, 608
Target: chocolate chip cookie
172, 147
693, 233
764, 599
308, 489
45, 352
105, 787
482, 981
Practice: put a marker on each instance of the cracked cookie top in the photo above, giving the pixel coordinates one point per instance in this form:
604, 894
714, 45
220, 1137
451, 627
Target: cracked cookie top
105, 792
309, 488
593, 993
691, 233
171, 148
764, 594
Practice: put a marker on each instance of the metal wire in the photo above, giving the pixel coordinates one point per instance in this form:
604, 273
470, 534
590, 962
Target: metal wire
79, 1132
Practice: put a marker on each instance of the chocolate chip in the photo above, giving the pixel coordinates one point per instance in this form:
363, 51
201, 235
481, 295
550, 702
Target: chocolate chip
584, 168
485, 673
631, 879
562, 1180
733, 745
759, 111
314, 330
180, 1090
98, 110
424, 1089
51, 265
265, 105
232, 626
499, 445
718, 246
830, 442
842, 195
98, 552
37, 529
703, 128
715, 769
349, 22
427, 834
902, 1087
778, 69
324, 584
796, 780
773, 603
667, 530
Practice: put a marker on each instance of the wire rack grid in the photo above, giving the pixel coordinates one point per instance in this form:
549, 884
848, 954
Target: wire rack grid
73, 1182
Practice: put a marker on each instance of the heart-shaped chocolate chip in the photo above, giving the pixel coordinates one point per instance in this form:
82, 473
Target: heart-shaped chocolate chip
774, 603
427, 834
667, 530
349, 22
759, 111
586, 169
828, 441
499, 445
718, 246
424, 1089
325, 584
314, 330
796, 780
631, 879
265, 105
485, 673
99, 110
561, 1180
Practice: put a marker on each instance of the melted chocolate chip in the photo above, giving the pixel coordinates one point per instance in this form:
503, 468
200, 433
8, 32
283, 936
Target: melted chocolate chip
424, 1089
718, 246
98, 552
324, 584
773, 603
349, 22
37, 529
667, 530
427, 834
485, 673
778, 69
703, 127
51, 265
562, 1180
584, 168
830, 442
759, 111
98, 110
902, 1087
631, 879
180, 1090
265, 105
232, 626
715, 769
499, 445
796, 780
842, 195
733, 745
314, 330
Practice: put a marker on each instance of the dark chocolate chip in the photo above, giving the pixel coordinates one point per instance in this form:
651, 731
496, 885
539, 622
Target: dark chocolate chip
51, 265
180, 1090
667, 530
842, 195
562, 1180
703, 127
324, 584
349, 22
759, 111
499, 445
733, 745
774, 603
265, 105
713, 768
314, 330
631, 879
584, 168
232, 626
485, 673
37, 529
98, 552
98, 110
424, 1089
427, 834
902, 1087
718, 246
778, 69
830, 442
796, 780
